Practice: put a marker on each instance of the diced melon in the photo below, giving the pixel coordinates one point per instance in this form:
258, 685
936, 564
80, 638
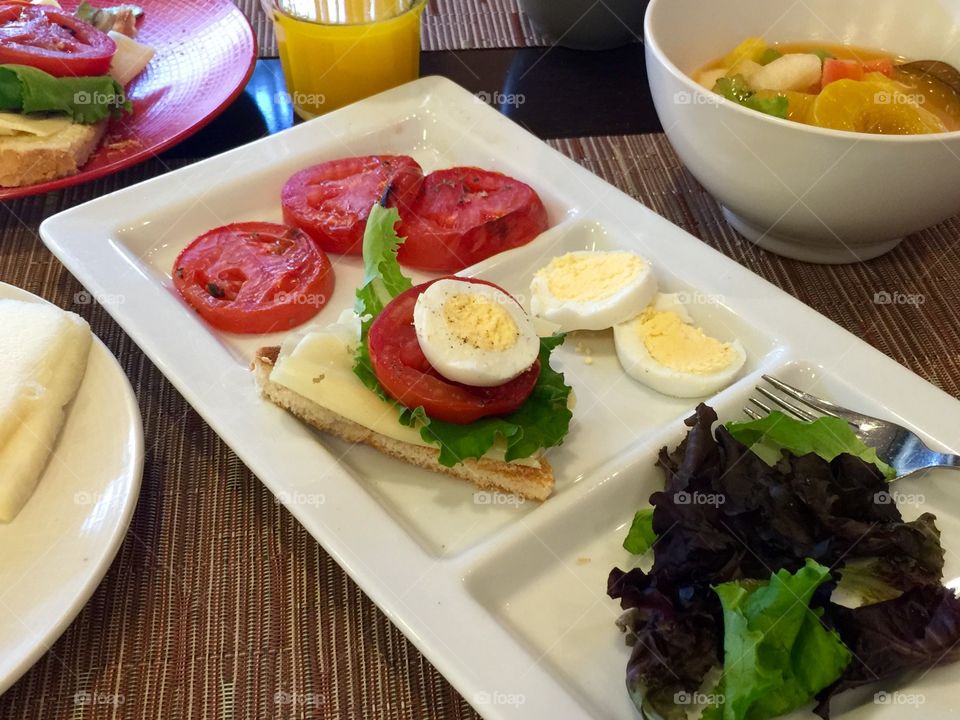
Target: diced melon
747, 68
796, 71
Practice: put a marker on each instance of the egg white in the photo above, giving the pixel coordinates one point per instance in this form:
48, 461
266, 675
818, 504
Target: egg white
626, 302
640, 365
460, 361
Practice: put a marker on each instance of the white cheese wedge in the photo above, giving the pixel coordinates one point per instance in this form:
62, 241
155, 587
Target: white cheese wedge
130, 59
20, 124
319, 366
43, 358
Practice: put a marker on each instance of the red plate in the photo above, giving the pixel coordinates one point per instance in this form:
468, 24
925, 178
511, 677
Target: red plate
206, 53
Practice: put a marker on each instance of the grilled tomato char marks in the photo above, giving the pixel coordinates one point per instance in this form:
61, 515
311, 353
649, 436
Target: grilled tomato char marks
475, 331
331, 201
464, 215
254, 277
54, 41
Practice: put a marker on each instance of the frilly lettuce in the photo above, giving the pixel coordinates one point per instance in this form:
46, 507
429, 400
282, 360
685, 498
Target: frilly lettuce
826, 436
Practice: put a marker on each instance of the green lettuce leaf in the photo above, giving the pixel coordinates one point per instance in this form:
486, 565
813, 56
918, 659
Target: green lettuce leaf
825, 436
777, 653
86, 100
382, 281
641, 536
541, 422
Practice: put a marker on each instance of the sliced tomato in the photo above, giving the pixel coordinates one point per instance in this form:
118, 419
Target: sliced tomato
835, 69
407, 376
254, 277
331, 201
464, 215
51, 40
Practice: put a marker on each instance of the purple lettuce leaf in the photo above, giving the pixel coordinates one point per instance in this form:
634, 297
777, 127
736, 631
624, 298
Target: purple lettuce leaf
912, 633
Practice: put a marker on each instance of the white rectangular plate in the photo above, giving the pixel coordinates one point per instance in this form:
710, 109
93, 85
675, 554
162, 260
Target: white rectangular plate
507, 600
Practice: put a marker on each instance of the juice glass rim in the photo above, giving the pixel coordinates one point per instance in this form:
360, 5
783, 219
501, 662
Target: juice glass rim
416, 5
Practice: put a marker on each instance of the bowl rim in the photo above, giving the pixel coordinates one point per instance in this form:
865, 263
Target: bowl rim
650, 41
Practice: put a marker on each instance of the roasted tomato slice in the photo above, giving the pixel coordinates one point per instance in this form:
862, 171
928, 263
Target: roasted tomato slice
54, 41
405, 374
465, 215
254, 277
331, 201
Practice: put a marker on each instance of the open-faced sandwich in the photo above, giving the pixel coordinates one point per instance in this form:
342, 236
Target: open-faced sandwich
449, 375
62, 77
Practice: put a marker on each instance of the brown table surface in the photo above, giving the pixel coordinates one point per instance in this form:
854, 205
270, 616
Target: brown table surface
219, 605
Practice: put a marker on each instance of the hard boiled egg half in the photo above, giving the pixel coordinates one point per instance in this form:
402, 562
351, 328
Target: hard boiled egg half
474, 333
592, 290
663, 349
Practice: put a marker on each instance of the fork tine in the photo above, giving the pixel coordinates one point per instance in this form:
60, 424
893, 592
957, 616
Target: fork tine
788, 406
807, 399
761, 405
751, 414
827, 408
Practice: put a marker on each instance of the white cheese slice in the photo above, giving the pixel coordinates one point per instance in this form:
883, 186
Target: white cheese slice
20, 124
33, 337
319, 366
43, 358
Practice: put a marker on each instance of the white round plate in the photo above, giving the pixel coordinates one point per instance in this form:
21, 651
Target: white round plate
55, 552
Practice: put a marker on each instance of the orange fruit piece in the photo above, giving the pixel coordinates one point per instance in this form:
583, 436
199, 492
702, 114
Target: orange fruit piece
874, 105
801, 104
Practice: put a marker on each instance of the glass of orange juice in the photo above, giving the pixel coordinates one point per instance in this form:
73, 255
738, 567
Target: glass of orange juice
334, 52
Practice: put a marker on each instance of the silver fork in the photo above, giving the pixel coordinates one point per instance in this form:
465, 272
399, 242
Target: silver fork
895, 445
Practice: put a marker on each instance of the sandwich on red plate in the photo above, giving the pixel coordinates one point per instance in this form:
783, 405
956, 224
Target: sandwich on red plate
62, 77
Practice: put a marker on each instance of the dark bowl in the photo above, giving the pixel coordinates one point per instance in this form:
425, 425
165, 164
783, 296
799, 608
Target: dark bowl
588, 24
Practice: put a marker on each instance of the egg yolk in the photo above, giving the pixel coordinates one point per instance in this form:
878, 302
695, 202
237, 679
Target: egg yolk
593, 276
680, 346
478, 321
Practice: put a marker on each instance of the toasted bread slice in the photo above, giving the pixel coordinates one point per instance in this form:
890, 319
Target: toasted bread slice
532, 483
30, 159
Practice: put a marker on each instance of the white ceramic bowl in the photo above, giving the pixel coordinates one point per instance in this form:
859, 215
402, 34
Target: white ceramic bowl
818, 195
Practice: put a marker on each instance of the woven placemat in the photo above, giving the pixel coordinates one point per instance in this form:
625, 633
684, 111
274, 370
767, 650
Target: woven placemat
219, 605
447, 25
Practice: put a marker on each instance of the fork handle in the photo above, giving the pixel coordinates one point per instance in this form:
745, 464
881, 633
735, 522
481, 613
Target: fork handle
945, 461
